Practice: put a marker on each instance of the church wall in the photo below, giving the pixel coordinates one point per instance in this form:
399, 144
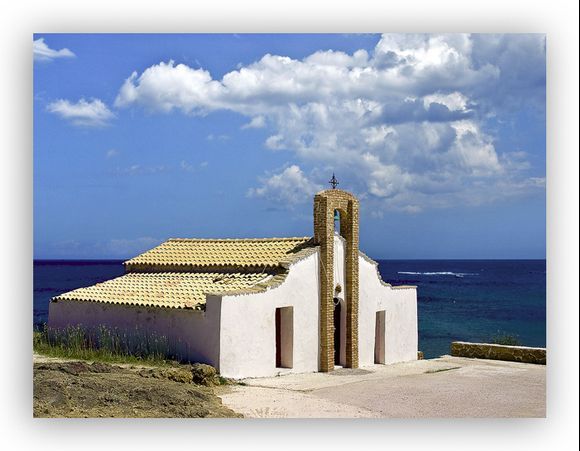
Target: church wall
248, 341
400, 306
192, 334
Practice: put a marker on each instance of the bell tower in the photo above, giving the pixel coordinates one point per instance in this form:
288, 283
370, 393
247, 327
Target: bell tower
325, 204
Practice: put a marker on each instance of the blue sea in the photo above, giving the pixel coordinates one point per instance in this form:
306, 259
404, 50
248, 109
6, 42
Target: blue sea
469, 300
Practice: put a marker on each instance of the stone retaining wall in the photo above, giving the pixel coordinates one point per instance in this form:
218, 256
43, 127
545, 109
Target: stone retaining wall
498, 352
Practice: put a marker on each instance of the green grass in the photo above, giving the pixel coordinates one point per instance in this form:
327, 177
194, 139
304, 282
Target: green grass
506, 339
225, 381
104, 345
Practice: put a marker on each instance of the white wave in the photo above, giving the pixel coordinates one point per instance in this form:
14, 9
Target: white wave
438, 273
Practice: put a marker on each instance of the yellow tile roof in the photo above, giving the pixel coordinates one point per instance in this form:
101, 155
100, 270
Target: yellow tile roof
174, 290
180, 254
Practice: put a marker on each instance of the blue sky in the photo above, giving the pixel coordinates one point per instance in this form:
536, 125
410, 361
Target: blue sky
138, 138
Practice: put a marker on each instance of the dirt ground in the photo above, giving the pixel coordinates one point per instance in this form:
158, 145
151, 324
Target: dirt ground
444, 387
83, 389
449, 387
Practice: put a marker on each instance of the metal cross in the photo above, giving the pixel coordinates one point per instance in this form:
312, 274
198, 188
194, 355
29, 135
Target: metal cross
333, 181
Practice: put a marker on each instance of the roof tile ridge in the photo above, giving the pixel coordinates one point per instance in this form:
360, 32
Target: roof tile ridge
298, 256
287, 238
267, 283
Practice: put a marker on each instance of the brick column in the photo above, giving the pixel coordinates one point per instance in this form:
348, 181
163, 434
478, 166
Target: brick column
325, 203
352, 288
323, 227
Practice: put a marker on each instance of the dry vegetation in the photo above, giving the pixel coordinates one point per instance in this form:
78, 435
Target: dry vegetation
103, 374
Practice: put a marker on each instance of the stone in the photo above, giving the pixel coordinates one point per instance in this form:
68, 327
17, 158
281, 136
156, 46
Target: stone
522, 354
203, 374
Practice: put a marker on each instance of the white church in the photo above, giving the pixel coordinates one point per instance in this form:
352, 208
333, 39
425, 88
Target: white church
260, 307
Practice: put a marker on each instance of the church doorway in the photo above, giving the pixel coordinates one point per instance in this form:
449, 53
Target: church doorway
337, 330
284, 337
380, 337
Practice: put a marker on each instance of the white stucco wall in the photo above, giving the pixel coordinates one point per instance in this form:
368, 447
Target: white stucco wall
190, 333
400, 306
248, 337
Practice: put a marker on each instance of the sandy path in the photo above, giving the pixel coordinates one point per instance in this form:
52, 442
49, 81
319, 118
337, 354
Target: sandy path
445, 387
260, 402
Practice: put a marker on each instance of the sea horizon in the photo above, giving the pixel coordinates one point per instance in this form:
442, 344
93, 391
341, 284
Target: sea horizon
38, 260
458, 299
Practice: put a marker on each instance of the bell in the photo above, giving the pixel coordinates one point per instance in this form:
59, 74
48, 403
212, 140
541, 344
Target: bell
336, 216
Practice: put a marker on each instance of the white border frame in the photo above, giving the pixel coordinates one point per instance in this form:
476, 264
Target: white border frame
557, 18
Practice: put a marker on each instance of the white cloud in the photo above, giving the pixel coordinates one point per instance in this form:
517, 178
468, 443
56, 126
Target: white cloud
275, 142
515, 161
43, 52
256, 122
112, 153
454, 101
188, 167
91, 113
290, 187
137, 169
212, 137
167, 86
404, 122
474, 149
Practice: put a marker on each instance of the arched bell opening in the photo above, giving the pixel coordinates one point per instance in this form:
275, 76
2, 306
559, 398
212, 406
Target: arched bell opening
340, 222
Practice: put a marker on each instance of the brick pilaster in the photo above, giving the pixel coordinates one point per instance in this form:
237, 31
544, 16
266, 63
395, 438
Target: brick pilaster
325, 203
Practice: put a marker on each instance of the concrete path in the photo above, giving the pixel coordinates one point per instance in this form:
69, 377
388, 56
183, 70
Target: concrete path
443, 387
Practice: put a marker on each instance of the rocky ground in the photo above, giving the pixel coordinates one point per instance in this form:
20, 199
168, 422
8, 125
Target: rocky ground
83, 389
